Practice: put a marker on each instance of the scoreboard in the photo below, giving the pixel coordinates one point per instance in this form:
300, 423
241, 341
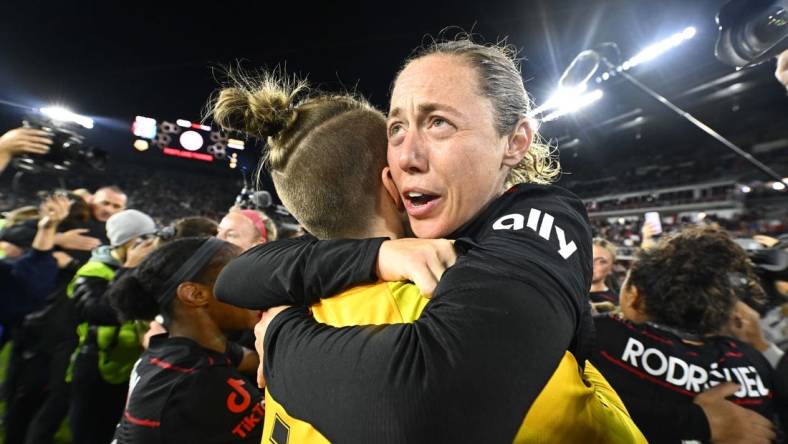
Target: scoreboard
187, 140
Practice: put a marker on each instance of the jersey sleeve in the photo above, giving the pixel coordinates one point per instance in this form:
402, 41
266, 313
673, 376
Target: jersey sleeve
297, 271
214, 405
485, 345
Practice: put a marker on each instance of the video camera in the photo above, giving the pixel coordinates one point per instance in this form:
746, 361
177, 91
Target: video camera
67, 152
751, 31
261, 200
771, 266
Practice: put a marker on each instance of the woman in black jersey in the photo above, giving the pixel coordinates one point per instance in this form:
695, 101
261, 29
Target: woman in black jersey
500, 320
669, 343
185, 387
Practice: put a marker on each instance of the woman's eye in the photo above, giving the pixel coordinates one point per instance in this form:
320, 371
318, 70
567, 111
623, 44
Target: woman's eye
396, 132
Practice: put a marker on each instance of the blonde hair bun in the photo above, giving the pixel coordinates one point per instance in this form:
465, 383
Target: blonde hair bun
260, 107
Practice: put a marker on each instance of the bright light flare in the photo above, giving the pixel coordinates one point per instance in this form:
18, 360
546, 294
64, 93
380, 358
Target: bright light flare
778, 186
61, 114
561, 97
653, 51
575, 105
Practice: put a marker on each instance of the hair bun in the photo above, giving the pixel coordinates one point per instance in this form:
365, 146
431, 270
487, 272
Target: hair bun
258, 107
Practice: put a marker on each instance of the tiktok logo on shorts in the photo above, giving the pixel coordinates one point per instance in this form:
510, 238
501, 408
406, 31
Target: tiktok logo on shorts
543, 228
238, 401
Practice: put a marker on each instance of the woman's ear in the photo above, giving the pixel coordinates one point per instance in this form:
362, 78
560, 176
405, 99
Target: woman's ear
518, 142
391, 188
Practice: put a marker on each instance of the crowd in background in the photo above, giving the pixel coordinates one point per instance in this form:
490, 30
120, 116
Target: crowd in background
107, 288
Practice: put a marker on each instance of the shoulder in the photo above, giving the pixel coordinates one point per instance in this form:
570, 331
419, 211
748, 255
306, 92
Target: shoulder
547, 217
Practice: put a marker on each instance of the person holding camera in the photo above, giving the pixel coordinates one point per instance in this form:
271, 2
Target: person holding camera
23, 141
107, 349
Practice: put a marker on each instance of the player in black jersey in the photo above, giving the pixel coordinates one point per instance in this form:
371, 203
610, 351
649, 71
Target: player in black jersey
185, 387
501, 319
670, 344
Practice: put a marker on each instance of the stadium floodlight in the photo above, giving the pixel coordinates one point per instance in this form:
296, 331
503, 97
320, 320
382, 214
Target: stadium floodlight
586, 64
571, 106
655, 50
778, 186
61, 114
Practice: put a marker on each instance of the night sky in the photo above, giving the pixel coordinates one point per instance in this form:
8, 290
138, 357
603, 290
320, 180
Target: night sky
115, 60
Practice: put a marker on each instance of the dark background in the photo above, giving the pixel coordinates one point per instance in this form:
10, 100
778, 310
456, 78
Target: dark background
112, 61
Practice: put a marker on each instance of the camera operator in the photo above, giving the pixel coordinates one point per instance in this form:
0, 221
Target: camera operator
23, 140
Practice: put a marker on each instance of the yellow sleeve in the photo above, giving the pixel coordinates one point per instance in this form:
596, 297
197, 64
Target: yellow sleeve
408, 300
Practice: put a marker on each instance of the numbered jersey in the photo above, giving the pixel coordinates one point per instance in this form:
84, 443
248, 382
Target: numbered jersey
181, 392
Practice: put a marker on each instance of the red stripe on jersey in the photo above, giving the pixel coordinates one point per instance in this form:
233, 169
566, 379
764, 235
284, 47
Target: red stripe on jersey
141, 422
749, 401
167, 366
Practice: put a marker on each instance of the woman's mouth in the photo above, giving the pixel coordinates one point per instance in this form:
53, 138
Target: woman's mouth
419, 204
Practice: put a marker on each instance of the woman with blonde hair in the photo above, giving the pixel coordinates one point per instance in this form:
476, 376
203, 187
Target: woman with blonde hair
507, 318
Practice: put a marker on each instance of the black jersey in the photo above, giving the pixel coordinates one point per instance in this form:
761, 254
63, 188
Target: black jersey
470, 367
180, 392
657, 374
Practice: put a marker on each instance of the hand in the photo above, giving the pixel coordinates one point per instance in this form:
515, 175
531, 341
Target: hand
782, 68
745, 326
62, 258
53, 210
76, 240
730, 423
421, 261
647, 233
603, 307
25, 140
259, 336
154, 328
138, 252
766, 241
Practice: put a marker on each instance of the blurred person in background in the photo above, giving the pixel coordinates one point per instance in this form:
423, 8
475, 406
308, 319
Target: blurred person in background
245, 228
602, 295
38, 395
101, 364
667, 353
30, 270
107, 201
